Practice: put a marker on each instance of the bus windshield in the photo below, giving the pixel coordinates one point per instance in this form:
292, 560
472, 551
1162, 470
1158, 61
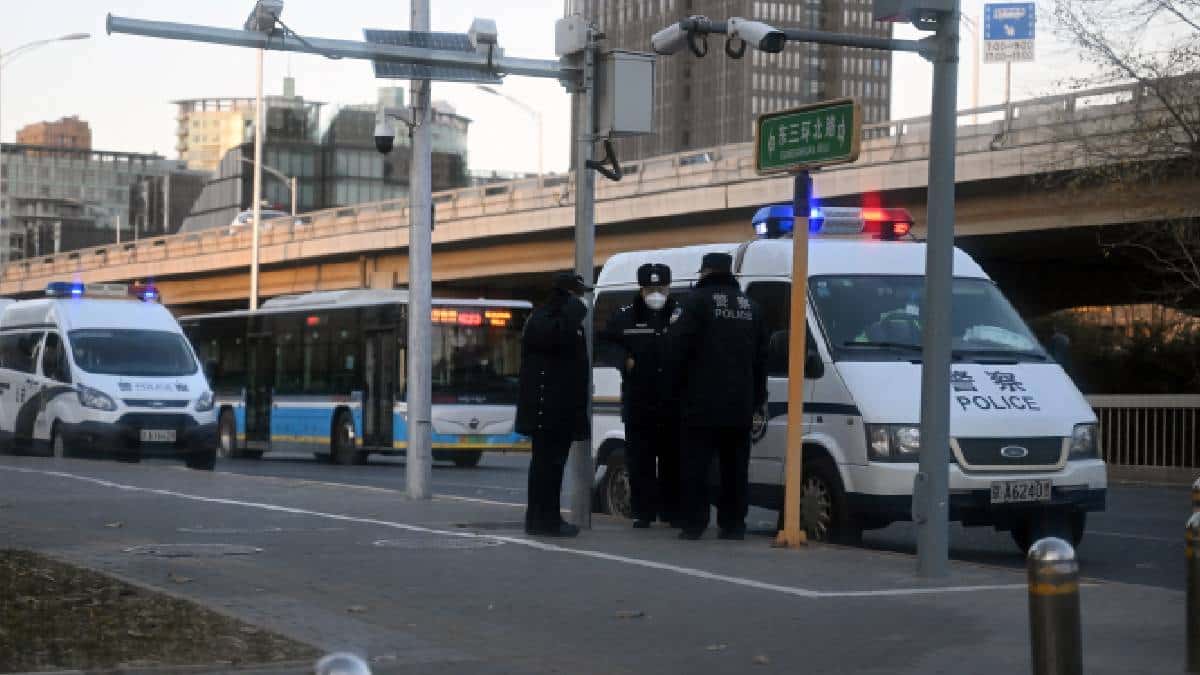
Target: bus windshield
477, 363
132, 353
870, 318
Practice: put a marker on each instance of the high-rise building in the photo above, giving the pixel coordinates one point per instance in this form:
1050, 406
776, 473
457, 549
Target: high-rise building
712, 101
56, 199
68, 132
335, 164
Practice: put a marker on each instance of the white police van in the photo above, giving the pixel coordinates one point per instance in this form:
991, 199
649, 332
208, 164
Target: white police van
102, 368
1025, 455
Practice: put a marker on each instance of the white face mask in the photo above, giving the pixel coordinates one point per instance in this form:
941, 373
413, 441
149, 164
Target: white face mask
656, 300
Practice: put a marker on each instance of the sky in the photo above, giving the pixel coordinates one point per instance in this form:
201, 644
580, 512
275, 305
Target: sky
122, 85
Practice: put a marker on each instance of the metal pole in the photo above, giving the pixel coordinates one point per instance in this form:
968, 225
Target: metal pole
256, 207
580, 461
118, 229
1196, 496
1192, 535
931, 486
791, 535
540, 165
1055, 641
419, 462
1007, 86
292, 185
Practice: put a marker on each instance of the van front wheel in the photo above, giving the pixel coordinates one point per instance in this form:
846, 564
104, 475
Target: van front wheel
824, 510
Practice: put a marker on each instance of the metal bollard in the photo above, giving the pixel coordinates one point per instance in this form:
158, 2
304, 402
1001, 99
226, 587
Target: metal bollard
1192, 536
342, 663
1054, 608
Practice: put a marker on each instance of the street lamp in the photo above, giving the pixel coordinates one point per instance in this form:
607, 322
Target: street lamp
530, 110
6, 57
289, 180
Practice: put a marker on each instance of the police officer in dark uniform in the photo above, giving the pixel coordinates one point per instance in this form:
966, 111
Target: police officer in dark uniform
552, 404
721, 342
635, 339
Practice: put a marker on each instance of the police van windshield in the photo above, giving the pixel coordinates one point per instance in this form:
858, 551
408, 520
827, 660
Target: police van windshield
871, 318
132, 353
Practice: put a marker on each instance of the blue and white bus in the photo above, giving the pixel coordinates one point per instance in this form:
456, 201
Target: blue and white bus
325, 373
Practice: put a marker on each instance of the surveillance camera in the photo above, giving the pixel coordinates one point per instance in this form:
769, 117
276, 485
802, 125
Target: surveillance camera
668, 40
264, 15
385, 136
482, 33
757, 34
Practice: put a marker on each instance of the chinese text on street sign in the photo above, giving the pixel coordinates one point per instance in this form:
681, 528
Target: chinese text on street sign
808, 137
1008, 30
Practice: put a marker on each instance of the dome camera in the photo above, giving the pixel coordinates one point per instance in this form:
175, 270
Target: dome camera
385, 136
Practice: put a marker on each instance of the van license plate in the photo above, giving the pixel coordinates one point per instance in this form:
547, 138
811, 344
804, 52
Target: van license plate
1019, 491
158, 435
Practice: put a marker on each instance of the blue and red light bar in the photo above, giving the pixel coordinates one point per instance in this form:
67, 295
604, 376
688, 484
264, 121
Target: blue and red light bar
773, 222
77, 289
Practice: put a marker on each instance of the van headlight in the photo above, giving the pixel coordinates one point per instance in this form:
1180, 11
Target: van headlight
1085, 442
205, 402
893, 442
95, 399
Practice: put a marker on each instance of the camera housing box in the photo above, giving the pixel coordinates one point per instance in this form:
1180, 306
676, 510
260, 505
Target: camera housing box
570, 35
908, 11
625, 94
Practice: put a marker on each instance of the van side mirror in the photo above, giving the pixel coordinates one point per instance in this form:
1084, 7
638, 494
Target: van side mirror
814, 367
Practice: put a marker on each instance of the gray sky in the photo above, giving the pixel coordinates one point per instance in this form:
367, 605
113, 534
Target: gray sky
122, 84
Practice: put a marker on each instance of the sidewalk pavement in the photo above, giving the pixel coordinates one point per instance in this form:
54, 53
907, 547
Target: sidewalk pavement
454, 585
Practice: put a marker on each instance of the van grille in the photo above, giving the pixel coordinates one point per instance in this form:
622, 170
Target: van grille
1000, 454
154, 403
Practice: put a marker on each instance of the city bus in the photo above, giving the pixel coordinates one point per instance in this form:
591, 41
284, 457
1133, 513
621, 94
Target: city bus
325, 373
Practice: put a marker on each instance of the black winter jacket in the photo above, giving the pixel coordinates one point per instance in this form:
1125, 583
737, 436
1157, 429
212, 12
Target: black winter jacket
554, 370
649, 392
720, 342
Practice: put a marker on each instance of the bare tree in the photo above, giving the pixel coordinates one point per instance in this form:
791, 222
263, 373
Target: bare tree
1156, 142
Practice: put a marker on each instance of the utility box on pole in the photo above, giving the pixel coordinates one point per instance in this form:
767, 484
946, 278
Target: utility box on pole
625, 94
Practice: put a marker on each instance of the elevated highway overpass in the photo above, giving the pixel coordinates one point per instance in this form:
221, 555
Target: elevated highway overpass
502, 239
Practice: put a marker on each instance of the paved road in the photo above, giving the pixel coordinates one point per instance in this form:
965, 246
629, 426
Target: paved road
1139, 539
452, 585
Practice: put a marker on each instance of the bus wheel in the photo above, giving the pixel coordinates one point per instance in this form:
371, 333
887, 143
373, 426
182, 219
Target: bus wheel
824, 512
226, 435
614, 489
467, 460
342, 445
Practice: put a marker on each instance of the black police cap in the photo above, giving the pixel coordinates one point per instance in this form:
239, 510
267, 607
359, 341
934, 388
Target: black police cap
721, 263
570, 282
654, 274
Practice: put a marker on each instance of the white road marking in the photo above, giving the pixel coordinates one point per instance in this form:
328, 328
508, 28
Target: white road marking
534, 544
1140, 537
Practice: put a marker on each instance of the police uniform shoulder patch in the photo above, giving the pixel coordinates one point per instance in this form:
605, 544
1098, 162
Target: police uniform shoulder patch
676, 313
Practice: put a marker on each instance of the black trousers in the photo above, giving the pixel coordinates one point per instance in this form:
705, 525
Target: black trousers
550, 450
653, 463
731, 447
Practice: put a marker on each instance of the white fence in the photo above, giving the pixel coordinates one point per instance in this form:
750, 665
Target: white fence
1149, 431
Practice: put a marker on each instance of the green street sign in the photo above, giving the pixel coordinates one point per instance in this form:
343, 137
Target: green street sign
811, 136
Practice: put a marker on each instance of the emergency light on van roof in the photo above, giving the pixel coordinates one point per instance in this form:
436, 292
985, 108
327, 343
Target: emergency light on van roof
773, 222
76, 289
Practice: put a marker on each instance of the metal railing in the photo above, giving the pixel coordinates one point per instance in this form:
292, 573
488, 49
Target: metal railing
1149, 430
1034, 122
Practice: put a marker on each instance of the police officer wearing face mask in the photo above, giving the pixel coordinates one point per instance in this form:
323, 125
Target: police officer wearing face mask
721, 342
635, 340
552, 403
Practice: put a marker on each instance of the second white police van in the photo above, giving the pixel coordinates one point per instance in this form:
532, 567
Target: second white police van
1024, 443
103, 369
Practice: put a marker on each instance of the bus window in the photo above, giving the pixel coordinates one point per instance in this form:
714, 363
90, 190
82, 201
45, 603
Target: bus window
474, 360
315, 373
345, 334
288, 355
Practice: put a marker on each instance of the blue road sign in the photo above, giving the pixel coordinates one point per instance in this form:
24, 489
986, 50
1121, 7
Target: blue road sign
1008, 21
1008, 30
